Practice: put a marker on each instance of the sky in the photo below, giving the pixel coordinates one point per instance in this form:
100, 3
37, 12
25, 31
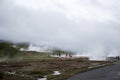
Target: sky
88, 27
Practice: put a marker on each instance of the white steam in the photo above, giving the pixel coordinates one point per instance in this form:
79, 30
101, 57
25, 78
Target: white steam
88, 27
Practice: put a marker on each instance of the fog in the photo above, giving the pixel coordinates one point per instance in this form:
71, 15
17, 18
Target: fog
88, 27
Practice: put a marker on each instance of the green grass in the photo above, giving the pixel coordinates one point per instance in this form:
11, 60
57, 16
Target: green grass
26, 57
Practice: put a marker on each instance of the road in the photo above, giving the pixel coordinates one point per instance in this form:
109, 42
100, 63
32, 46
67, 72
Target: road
105, 73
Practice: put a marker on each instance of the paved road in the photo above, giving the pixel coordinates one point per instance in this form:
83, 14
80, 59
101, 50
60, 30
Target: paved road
106, 73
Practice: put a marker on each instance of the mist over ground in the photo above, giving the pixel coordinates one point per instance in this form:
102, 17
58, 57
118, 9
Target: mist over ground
88, 27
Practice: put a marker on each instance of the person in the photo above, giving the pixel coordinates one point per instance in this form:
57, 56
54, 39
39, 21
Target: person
59, 55
70, 55
66, 55
118, 58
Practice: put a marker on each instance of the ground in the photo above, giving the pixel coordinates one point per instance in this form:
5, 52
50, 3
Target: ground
31, 70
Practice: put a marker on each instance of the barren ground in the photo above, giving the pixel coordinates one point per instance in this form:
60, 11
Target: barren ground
31, 70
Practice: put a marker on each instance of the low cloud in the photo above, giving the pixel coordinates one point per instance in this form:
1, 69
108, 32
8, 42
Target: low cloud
88, 27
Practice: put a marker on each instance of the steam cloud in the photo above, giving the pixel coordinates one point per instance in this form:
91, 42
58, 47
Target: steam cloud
88, 27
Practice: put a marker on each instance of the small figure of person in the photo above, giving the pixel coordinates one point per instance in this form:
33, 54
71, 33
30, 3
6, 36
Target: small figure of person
59, 55
66, 55
70, 55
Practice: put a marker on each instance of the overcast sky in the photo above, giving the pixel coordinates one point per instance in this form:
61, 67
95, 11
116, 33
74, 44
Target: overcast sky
89, 27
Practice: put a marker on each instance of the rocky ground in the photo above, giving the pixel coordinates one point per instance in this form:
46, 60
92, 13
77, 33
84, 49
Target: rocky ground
32, 70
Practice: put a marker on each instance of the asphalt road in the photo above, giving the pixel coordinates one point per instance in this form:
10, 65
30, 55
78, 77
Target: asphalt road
105, 73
